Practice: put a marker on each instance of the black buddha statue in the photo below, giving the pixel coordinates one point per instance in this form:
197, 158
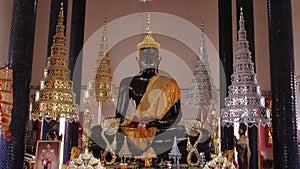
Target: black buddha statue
148, 103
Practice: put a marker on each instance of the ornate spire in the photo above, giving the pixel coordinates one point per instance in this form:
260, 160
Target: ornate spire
149, 41
100, 86
103, 46
242, 31
175, 152
244, 103
202, 92
60, 28
56, 99
125, 152
202, 49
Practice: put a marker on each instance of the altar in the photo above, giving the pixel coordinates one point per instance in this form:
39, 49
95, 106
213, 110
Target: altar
146, 127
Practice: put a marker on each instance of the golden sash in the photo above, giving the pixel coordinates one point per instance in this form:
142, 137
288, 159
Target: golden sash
160, 95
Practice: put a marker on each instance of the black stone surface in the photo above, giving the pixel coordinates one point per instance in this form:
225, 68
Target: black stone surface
282, 67
226, 62
20, 54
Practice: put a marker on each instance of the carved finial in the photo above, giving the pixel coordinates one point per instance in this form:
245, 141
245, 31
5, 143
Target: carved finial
242, 31
242, 21
105, 21
60, 28
202, 49
148, 26
241, 10
104, 37
61, 14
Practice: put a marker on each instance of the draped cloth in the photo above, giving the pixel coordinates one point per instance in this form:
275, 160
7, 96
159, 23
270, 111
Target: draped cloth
160, 95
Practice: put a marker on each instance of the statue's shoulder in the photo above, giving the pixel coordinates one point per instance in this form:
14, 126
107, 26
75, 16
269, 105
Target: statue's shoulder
126, 81
170, 80
164, 77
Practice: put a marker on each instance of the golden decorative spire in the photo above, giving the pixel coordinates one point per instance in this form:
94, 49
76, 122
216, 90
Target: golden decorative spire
100, 85
59, 38
56, 99
149, 41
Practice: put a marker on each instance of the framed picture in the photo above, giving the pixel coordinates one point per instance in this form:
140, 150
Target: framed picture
47, 154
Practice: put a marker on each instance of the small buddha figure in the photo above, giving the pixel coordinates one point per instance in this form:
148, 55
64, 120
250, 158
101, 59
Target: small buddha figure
148, 103
242, 147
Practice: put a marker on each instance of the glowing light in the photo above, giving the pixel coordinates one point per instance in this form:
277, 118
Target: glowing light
145, 1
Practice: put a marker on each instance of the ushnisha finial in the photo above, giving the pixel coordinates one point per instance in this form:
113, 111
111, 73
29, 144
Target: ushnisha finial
149, 41
148, 26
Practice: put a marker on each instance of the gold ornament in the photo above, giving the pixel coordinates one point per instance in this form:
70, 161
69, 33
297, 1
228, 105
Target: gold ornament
100, 86
214, 124
6, 101
149, 41
193, 128
110, 127
88, 119
56, 98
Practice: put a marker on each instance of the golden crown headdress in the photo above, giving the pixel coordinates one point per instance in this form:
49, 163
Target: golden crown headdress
149, 41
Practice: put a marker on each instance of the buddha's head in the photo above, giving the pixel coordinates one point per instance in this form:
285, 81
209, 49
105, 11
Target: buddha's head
148, 51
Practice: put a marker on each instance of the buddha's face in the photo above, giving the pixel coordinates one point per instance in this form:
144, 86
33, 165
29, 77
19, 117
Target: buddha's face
148, 58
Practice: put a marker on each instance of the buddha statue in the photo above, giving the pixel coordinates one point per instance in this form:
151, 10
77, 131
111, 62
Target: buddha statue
148, 103
242, 147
